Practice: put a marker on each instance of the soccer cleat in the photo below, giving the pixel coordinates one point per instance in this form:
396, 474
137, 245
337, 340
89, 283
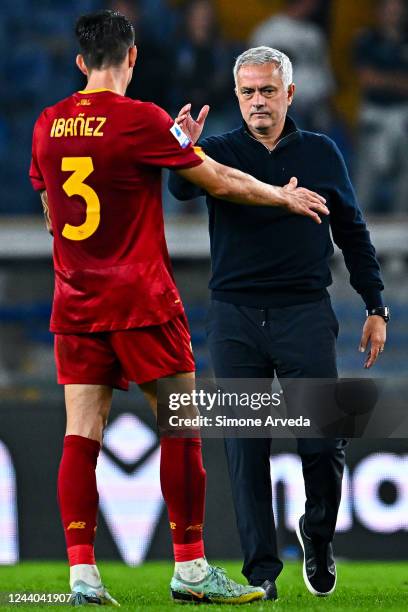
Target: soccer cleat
84, 594
216, 587
319, 568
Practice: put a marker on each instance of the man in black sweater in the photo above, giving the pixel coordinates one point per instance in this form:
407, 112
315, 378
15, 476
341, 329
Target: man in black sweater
270, 311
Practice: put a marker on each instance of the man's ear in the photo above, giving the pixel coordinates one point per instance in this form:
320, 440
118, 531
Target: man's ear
236, 91
132, 56
81, 64
291, 93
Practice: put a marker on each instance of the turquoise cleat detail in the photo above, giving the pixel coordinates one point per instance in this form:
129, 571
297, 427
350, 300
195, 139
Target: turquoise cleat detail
216, 587
84, 594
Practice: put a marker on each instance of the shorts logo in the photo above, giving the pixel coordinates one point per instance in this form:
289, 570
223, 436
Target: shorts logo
180, 136
173, 525
198, 527
76, 525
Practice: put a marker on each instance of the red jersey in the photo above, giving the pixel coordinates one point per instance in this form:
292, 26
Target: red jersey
99, 156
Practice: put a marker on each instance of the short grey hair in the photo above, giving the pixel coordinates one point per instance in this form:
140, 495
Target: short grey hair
266, 55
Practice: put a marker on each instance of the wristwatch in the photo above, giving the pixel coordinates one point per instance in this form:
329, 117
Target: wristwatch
381, 311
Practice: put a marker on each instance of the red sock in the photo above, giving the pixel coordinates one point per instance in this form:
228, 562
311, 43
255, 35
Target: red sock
78, 497
182, 478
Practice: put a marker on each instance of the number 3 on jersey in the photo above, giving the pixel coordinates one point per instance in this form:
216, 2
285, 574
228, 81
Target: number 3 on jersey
81, 168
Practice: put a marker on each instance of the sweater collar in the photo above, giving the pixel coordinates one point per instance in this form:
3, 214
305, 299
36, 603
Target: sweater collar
289, 133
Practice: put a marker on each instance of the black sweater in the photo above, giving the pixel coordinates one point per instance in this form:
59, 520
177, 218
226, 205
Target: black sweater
265, 256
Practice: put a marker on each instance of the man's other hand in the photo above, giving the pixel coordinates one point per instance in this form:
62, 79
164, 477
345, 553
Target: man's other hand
374, 333
192, 128
301, 201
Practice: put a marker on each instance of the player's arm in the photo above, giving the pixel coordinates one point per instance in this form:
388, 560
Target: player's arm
230, 184
46, 210
183, 190
36, 175
161, 142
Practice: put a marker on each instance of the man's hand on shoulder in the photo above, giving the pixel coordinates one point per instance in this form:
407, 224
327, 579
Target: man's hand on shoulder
374, 333
192, 128
301, 201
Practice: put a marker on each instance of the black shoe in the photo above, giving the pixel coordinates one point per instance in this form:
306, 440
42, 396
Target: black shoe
271, 592
269, 587
319, 569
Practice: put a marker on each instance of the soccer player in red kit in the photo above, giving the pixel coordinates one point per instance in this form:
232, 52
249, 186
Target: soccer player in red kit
117, 315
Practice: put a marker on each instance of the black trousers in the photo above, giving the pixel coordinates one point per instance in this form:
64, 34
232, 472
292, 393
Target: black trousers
289, 342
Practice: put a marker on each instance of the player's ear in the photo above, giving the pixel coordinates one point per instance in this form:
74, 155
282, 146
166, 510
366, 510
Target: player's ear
132, 56
81, 64
291, 93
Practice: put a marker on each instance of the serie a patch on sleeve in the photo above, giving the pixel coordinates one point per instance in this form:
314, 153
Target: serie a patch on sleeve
180, 136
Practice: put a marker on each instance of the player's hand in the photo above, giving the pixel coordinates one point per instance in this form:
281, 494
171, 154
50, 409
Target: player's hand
374, 334
192, 128
301, 201
47, 218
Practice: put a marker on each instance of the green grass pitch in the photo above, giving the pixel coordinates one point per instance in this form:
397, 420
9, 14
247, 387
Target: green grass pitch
361, 586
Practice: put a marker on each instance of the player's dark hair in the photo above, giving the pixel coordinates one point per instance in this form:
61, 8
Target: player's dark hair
104, 38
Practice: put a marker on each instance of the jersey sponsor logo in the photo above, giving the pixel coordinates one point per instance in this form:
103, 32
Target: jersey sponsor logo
180, 136
77, 126
84, 102
76, 525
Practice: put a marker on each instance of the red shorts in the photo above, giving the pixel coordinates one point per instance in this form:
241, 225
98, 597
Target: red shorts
114, 358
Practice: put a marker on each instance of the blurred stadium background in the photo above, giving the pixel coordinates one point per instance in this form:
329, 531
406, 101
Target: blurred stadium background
186, 51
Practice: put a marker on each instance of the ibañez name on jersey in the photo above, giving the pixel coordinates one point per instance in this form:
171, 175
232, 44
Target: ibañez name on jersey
77, 126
